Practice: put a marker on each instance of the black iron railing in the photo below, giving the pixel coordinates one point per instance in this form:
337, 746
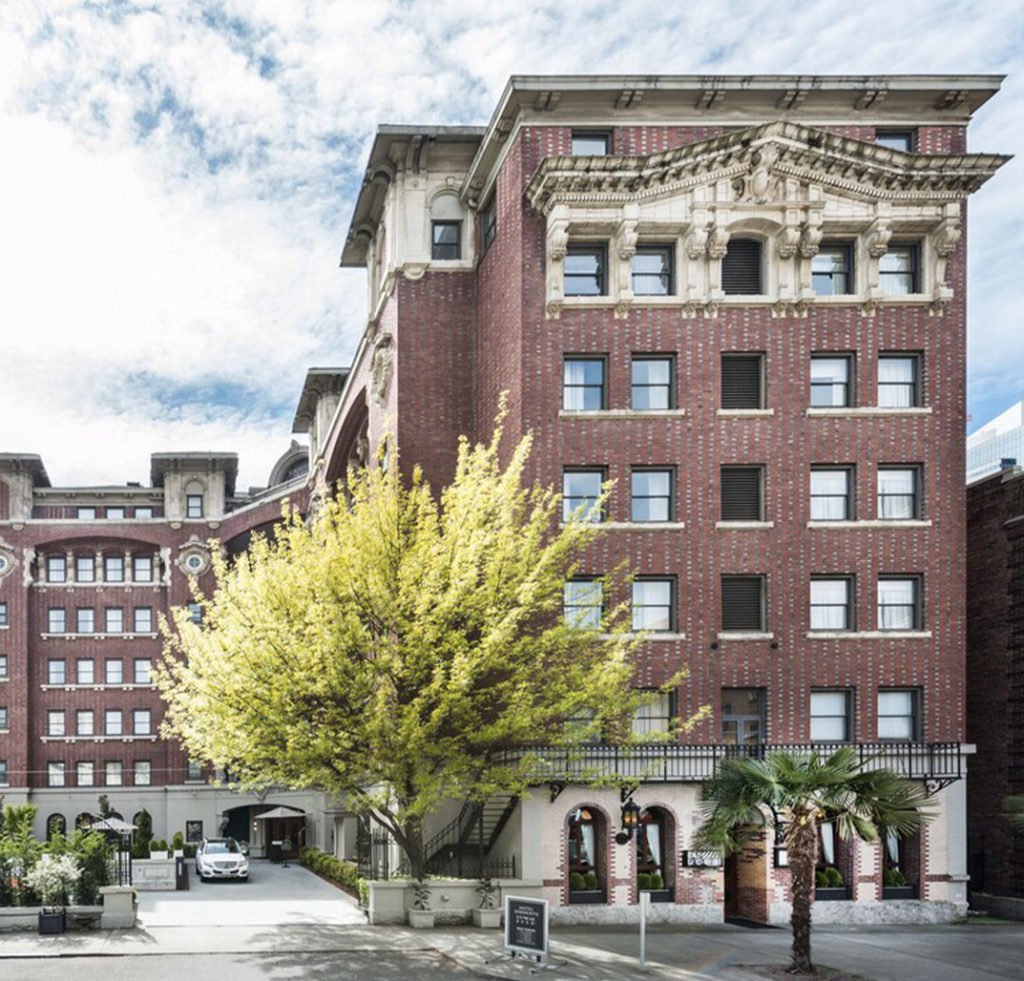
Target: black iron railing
691, 763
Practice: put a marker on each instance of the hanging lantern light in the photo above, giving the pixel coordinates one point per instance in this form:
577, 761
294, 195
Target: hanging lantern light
630, 815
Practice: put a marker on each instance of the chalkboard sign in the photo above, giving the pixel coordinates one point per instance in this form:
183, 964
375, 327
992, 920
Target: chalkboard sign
526, 925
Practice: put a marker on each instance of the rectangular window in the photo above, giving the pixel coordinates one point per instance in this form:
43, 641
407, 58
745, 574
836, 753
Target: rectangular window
831, 494
899, 270
831, 380
85, 725
3, 614
651, 495
743, 603
86, 671
898, 717
112, 722
195, 613
591, 143
55, 774
899, 603
142, 568
114, 620
741, 267
143, 667
652, 384
743, 716
4, 720
194, 771
489, 221
193, 505
652, 271
899, 381
583, 603
55, 671
832, 603
743, 381
3, 665
55, 722
56, 620
113, 568
143, 514
899, 494
583, 384
742, 493
86, 514
114, 671
85, 774
142, 722
113, 773
143, 773
3, 773
585, 270
56, 568
446, 240
830, 717
653, 605
831, 269
655, 716
897, 139
115, 514
143, 620
85, 620
581, 490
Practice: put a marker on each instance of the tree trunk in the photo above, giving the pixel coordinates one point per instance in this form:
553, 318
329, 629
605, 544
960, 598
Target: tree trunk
412, 832
802, 842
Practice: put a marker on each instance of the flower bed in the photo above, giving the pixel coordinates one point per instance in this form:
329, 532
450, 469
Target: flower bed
344, 875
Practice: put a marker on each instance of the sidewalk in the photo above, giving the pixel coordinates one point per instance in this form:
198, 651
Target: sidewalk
976, 952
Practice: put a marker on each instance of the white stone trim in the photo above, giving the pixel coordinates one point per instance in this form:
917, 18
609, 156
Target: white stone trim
102, 738
870, 523
645, 525
621, 413
98, 636
731, 635
855, 411
745, 413
744, 525
868, 635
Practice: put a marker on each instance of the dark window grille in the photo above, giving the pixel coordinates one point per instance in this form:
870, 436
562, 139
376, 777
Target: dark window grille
742, 493
742, 381
743, 603
741, 267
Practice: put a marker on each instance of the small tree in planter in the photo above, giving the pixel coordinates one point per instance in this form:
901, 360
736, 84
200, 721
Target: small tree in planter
488, 915
53, 878
421, 915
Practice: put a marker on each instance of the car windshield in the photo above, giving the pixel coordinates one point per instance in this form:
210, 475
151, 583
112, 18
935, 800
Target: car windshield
221, 847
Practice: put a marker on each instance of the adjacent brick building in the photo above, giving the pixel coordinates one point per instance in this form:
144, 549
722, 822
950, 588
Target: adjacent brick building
743, 300
995, 687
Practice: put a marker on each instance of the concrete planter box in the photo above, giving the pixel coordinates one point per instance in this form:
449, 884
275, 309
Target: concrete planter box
452, 901
119, 906
489, 919
51, 922
154, 874
421, 919
29, 917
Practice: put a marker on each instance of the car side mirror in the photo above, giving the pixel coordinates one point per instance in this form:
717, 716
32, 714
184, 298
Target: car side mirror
244, 845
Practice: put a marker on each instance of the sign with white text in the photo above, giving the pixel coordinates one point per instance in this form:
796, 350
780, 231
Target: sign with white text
526, 925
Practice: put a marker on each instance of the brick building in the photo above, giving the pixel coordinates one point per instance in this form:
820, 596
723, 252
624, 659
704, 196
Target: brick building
86, 573
743, 300
995, 687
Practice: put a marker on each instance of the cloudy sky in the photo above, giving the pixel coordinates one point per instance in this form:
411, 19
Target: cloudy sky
176, 178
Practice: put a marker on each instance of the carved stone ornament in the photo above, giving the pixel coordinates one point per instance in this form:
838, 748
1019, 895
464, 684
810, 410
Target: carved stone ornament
8, 559
381, 366
194, 557
558, 240
810, 241
787, 241
946, 237
414, 270
718, 243
878, 241
626, 241
697, 244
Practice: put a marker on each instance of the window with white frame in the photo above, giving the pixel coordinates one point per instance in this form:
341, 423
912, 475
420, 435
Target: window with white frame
898, 719
143, 619
114, 619
85, 775
142, 722
899, 385
55, 722
55, 671
832, 603
831, 494
113, 568
581, 492
830, 716
85, 568
115, 514
86, 514
583, 384
583, 603
55, 774
85, 669
899, 603
113, 722
143, 667
56, 568
85, 620
142, 568
113, 773
56, 620
143, 513
899, 496
114, 671
85, 722
653, 604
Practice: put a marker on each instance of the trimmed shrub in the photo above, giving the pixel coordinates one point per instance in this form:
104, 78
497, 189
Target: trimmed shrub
344, 875
833, 877
591, 880
893, 878
657, 882
577, 882
178, 841
643, 880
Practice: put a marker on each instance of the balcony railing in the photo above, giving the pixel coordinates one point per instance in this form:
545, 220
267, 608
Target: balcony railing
938, 763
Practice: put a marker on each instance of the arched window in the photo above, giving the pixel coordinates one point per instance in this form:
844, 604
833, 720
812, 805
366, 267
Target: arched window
83, 822
446, 227
901, 865
742, 272
585, 853
195, 494
56, 824
835, 866
654, 849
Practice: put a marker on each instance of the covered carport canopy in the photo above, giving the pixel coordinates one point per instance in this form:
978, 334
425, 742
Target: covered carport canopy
279, 812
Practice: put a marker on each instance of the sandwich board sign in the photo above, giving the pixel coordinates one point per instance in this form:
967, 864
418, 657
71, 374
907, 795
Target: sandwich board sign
526, 926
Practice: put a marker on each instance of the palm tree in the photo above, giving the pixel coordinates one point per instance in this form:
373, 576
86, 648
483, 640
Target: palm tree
798, 790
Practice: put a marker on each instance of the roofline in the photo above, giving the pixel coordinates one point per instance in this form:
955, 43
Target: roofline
31, 461
308, 395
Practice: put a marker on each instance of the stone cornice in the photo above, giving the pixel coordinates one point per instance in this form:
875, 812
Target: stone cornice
776, 149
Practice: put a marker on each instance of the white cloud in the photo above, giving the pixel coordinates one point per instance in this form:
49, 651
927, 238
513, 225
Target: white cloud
178, 177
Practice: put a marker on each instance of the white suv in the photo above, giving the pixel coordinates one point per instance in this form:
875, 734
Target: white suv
221, 858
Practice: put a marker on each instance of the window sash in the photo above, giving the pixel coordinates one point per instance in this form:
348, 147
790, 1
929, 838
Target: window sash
586, 143
193, 505
830, 381
114, 620
651, 271
651, 384
56, 568
898, 270
113, 568
898, 604
830, 495
581, 491
143, 667
85, 722
85, 774
56, 620
55, 723
583, 604
830, 717
142, 722
898, 382
653, 605
142, 568
55, 774
898, 493
654, 717
55, 672
113, 671
830, 270
143, 620
85, 671
651, 498
113, 722
446, 240
897, 715
113, 773
583, 387
85, 620
585, 270
85, 568
143, 773
830, 604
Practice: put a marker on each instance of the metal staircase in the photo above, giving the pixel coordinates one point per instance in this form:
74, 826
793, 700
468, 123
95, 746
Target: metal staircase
462, 848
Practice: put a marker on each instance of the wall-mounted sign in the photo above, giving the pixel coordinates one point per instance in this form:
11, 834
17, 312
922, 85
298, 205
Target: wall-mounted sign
526, 926
193, 832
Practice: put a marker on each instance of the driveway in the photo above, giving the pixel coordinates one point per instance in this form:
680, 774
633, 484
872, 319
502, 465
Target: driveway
275, 895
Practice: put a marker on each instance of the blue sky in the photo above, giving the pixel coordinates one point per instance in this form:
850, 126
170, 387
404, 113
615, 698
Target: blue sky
177, 178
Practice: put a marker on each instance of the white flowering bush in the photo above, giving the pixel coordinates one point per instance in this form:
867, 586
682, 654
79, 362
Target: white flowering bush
53, 878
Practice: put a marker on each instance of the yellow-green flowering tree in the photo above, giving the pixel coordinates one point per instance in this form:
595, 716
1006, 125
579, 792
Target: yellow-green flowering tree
387, 649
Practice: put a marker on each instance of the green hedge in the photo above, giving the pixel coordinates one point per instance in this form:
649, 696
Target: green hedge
345, 875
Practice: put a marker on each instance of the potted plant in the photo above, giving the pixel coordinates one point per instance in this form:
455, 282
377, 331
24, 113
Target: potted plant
52, 879
895, 885
420, 915
488, 915
829, 885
